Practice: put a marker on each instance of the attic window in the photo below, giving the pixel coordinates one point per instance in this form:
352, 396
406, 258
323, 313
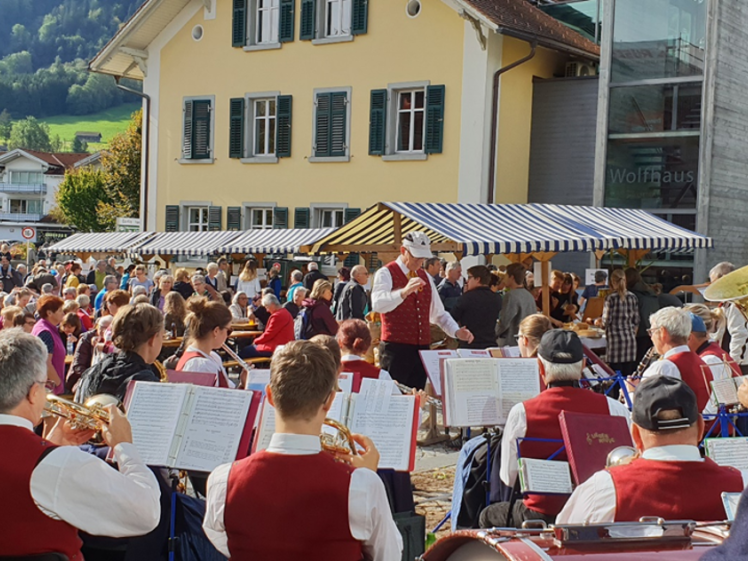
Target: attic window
197, 32
413, 8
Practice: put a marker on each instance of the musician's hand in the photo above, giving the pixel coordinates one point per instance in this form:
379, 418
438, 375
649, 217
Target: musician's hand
369, 458
414, 285
243, 379
743, 393
62, 434
118, 429
463, 334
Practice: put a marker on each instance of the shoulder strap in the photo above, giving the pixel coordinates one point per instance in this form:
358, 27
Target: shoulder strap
189, 355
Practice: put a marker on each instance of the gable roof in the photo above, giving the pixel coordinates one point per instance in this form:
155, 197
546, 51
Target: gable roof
55, 163
522, 20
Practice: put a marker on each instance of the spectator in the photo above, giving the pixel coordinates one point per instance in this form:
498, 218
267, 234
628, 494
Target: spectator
75, 277
294, 306
224, 275
450, 290
478, 309
274, 280
47, 288
69, 293
112, 269
23, 271
313, 275
50, 313
321, 320
648, 305
201, 288
182, 283
83, 304
71, 329
352, 301
40, 278
296, 279
517, 305
175, 312
6, 316
24, 320
97, 275
591, 290
110, 284
212, 276
165, 284
620, 320
248, 283
344, 277
564, 306
279, 330
141, 279
125, 282
432, 266
240, 307
665, 299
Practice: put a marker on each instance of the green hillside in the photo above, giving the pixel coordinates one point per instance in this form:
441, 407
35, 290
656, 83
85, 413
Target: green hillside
109, 123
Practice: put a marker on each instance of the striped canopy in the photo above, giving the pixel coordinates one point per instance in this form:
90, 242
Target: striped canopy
479, 229
102, 242
275, 240
186, 243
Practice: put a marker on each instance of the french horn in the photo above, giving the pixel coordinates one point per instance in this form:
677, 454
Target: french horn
340, 442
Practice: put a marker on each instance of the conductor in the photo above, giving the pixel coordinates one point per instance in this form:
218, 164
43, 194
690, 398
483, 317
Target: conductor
406, 297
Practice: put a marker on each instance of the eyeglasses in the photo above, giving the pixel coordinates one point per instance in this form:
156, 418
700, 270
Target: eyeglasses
229, 331
651, 330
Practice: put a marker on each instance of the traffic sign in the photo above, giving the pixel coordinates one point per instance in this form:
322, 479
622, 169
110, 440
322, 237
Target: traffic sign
28, 233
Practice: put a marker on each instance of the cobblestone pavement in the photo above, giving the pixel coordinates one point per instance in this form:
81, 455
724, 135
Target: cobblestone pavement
433, 480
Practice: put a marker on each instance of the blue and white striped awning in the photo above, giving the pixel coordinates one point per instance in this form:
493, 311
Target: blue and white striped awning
186, 243
275, 240
101, 242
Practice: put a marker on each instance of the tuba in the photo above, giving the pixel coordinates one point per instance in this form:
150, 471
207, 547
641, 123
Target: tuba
341, 442
621, 456
733, 287
88, 416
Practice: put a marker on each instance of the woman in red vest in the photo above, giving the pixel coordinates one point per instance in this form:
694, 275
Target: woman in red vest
354, 339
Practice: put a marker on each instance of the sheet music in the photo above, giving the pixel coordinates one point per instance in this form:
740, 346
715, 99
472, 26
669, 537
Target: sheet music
392, 432
731, 452
731, 501
258, 379
725, 391
544, 476
471, 394
473, 353
378, 394
154, 413
432, 364
267, 426
345, 382
214, 428
338, 411
519, 380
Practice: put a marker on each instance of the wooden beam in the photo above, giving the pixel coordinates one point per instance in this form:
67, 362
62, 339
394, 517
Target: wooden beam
458, 255
543, 256
544, 272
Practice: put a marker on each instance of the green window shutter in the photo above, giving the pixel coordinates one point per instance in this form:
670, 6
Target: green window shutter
434, 119
352, 260
215, 218
280, 217
236, 127
338, 130
308, 19
350, 214
360, 17
172, 218
322, 125
234, 218
285, 22
377, 122
187, 140
201, 147
301, 217
239, 25
284, 106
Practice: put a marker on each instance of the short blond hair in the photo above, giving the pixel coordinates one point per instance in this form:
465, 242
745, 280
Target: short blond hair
319, 288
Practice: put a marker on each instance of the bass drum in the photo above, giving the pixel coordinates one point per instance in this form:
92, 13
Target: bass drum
467, 545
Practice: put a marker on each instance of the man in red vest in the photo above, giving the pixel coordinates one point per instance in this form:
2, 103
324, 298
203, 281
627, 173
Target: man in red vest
406, 297
50, 488
669, 479
669, 330
293, 500
562, 361
720, 362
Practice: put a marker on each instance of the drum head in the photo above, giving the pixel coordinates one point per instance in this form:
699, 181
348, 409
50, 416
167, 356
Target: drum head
475, 551
464, 545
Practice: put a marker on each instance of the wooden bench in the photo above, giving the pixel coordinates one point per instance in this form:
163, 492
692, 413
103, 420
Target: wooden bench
235, 364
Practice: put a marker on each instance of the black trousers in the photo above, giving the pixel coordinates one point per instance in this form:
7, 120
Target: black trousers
497, 515
403, 363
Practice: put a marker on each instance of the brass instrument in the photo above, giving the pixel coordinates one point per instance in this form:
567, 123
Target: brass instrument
733, 287
407, 390
229, 351
621, 456
162, 373
88, 416
339, 443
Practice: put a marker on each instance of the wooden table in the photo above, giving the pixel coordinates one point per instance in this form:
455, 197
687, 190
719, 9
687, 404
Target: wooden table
243, 326
173, 342
245, 334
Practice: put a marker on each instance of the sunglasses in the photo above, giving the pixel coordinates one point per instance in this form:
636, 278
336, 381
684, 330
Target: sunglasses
229, 331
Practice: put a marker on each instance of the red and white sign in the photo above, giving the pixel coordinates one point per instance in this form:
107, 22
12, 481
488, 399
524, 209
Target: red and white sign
28, 233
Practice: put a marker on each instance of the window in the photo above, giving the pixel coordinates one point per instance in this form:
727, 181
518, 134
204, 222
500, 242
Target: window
332, 118
337, 18
330, 21
266, 22
262, 24
330, 217
197, 138
197, 219
26, 177
410, 122
264, 127
261, 218
23, 206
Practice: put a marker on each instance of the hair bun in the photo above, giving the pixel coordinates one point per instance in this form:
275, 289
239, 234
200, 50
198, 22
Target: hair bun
197, 304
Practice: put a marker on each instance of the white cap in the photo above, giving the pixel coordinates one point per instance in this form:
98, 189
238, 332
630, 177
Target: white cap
418, 245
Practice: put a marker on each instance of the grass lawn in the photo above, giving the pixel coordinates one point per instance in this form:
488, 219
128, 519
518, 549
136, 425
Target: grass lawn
109, 123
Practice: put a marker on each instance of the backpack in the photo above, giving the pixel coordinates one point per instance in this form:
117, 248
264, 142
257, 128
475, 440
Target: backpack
302, 325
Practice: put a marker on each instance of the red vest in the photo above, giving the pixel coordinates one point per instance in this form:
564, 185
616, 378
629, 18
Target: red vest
409, 322
696, 373
24, 529
714, 349
542, 422
673, 490
269, 495
362, 367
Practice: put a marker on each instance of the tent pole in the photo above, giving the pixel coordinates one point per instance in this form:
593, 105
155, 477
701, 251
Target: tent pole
397, 229
544, 272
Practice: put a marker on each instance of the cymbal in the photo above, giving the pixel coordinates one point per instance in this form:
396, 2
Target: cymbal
732, 286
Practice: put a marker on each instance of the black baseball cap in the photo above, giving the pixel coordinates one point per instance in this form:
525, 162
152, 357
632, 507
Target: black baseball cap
560, 347
663, 393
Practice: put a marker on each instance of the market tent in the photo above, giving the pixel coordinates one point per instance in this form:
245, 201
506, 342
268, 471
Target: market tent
186, 243
102, 242
275, 240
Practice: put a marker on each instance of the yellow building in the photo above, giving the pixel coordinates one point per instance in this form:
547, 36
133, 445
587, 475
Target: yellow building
294, 113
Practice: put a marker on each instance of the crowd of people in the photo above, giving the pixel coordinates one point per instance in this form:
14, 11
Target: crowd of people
68, 332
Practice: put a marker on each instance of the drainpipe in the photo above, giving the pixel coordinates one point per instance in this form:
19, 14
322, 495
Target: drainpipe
145, 150
495, 118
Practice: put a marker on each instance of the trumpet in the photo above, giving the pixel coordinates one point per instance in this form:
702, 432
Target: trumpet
236, 357
88, 416
341, 442
407, 390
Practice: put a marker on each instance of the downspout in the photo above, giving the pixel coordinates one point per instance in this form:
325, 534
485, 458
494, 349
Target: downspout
145, 150
495, 118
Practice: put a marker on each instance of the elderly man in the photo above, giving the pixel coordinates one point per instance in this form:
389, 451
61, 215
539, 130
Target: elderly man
722, 364
562, 361
223, 277
478, 309
353, 300
278, 330
97, 275
296, 278
23, 271
406, 297
312, 276
9, 277
517, 305
51, 488
110, 284
111, 267
294, 305
450, 289
670, 328
669, 479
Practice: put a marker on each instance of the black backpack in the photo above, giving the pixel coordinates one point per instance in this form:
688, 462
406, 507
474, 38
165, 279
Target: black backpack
302, 325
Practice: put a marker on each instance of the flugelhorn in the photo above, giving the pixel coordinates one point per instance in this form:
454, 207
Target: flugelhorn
229, 351
341, 442
88, 416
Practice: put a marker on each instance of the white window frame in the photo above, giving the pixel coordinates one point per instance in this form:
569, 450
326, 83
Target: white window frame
253, 16
212, 99
15, 177
249, 128
410, 115
271, 124
321, 36
25, 204
184, 213
393, 93
203, 219
317, 210
349, 96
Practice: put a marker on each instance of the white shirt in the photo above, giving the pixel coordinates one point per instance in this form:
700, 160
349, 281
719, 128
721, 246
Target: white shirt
737, 327
516, 427
211, 364
82, 490
594, 501
369, 515
251, 288
384, 299
666, 367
